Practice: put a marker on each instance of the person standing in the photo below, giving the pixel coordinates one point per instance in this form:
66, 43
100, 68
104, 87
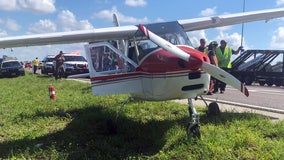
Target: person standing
224, 54
213, 60
202, 47
35, 65
59, 59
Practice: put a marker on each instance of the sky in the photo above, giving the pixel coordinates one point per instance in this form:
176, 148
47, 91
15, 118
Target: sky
25, 17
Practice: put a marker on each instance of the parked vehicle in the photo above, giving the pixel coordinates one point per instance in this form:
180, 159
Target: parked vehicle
11, 67
47, 64
74, 64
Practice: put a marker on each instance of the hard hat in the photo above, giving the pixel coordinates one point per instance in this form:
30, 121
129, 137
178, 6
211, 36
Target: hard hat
213, 44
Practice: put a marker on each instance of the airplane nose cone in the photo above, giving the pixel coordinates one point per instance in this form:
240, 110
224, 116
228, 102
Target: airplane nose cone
196, 57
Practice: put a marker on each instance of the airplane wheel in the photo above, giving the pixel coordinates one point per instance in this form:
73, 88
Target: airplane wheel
193, 131
213, 109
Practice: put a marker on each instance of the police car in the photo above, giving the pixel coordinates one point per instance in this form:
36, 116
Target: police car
74, 63
11, 67
47, 64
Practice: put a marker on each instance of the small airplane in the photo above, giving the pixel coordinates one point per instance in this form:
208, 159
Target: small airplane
153, 62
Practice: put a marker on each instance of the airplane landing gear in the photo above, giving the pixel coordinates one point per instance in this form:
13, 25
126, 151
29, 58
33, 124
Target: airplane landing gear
193, 128
213, 108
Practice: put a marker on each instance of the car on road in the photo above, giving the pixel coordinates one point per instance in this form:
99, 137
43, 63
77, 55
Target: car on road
47, 64
11, 67
74, 64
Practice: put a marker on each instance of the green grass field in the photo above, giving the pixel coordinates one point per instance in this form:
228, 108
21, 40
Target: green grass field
74, 127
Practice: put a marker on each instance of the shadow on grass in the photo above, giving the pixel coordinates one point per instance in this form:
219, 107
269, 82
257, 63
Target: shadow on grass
88, 136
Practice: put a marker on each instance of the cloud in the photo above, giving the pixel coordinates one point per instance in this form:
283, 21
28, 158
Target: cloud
42, 26
208, 12
10, 24
277, 40
8, 5
3, 33
279, 2
39, 6
108, 14
195, 36
233, 40
43, 6
67, 20
135, 3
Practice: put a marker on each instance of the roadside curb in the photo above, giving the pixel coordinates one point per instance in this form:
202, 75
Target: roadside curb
225, 106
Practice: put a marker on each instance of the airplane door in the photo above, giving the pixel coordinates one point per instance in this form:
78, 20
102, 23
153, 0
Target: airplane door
111, 71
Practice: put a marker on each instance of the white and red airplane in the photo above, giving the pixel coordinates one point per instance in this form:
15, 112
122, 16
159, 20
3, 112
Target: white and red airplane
153, 62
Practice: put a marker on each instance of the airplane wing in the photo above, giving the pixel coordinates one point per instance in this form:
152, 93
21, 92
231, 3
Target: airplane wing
125, 32
93, 35
230, 19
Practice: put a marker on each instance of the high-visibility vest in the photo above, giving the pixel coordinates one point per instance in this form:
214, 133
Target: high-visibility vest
224, 59
36, 62
204, 50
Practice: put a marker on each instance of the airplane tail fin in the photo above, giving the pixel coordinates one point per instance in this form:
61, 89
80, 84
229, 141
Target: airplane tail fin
115, 20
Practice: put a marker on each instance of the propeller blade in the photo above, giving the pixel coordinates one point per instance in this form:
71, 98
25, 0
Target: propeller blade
211, 69
165, 44
225, 77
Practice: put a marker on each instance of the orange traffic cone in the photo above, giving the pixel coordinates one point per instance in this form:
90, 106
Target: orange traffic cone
52, 94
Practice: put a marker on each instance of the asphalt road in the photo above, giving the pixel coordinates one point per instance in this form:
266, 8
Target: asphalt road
261, 97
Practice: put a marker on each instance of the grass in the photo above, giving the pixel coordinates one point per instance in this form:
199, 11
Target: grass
74, 127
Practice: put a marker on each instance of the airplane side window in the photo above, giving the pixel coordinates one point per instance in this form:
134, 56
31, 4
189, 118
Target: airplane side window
96, 56
104, 59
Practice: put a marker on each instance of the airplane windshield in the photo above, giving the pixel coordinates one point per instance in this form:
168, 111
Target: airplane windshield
170, 31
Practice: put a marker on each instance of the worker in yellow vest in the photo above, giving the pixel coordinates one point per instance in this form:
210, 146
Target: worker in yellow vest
35, 64
202, 47
224, 54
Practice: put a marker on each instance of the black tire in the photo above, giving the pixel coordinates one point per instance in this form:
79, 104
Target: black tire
213, 109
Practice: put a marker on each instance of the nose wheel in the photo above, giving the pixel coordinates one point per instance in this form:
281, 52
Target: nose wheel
193, 127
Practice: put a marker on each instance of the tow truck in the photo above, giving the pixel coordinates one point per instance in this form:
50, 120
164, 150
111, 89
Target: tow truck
260, 66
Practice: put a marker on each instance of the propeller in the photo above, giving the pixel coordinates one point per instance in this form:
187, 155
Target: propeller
165, 44
209, 68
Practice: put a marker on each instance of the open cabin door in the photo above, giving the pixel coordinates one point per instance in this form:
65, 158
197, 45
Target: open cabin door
111, 71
